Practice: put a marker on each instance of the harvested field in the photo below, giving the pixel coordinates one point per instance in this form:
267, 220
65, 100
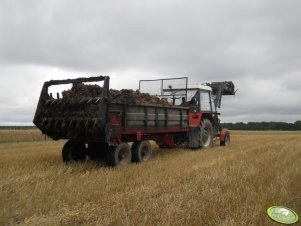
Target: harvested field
220, 186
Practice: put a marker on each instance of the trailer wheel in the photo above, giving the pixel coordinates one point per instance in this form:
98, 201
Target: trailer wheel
226, 141
206, 135
74, 150
97, 151
120, 155
141, 151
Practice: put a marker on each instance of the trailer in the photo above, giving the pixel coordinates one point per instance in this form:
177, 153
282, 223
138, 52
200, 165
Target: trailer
96, 125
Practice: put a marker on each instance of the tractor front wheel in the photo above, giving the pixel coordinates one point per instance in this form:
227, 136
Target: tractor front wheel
206, 135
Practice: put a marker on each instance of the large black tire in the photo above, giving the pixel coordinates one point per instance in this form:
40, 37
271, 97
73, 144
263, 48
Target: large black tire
141, 151
97, 151
120, 155
206, 135
74, 151
226, 141
162, 146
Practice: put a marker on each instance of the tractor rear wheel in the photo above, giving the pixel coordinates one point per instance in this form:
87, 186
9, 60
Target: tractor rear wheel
226, 141
120, 155
206, 135
141, 151
74, 151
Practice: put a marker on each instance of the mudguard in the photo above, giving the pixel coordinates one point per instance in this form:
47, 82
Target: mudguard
223, 134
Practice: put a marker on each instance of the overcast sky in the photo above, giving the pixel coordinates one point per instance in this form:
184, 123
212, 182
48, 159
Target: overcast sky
256, 44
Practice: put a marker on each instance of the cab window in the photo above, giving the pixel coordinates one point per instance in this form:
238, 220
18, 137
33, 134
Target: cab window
205, 101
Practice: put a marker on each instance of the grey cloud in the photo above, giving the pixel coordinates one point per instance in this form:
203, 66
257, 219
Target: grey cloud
205, 40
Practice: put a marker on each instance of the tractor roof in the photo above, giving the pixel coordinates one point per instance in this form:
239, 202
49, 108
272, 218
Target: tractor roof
190, 86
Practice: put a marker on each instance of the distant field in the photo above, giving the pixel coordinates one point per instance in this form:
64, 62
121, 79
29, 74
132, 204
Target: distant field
221, 186
29, 135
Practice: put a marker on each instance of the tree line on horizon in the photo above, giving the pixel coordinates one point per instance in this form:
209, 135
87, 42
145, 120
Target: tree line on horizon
263, 126
232, 126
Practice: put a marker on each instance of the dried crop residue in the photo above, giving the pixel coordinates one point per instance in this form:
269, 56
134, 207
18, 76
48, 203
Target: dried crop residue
221, 186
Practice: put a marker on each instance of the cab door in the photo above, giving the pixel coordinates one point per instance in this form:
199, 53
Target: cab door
205, 101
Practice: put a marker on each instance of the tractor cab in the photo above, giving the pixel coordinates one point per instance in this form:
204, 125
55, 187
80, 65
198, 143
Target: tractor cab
196, 96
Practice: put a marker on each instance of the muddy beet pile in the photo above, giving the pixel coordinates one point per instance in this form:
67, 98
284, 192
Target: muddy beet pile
80, 91
129, 96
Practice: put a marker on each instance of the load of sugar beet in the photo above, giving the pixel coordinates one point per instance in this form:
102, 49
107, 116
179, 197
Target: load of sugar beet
129, 96
80, 91
83, 93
